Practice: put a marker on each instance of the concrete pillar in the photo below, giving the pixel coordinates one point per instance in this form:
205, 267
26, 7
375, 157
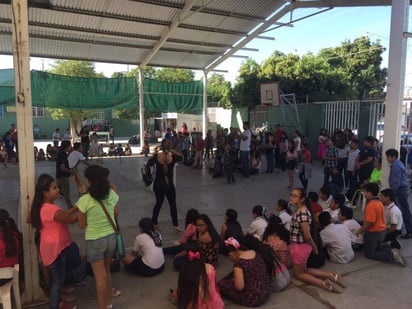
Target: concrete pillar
141, 107
204, 110
396, 80
33, 293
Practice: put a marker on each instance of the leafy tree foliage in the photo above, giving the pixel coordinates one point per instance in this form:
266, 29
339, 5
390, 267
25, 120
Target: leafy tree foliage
360, 60
246, 92
350, 71
219, 90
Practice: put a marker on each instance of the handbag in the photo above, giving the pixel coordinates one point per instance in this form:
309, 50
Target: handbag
147, 175
119, 252
281, 275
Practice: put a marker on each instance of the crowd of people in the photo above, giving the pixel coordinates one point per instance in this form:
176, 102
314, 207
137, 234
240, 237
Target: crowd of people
297, 236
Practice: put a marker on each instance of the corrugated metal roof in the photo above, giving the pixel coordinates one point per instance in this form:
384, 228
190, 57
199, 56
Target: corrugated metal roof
128, 31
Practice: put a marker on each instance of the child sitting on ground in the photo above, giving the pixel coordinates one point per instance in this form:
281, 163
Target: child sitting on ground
41, 156
316, 208
231, 228
346, 217
336, 239
259, 223
128, 150
282, 207
324, 197
338, 201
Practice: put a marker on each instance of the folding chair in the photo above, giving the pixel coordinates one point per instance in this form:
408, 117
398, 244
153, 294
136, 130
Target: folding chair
5, 297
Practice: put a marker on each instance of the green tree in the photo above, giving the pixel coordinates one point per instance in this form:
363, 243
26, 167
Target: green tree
174, 75
219, 90
73, 68
360, 61
246, 92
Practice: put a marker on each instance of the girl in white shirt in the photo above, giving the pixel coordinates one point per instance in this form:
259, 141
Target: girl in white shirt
147, 257
258, 225
283, 210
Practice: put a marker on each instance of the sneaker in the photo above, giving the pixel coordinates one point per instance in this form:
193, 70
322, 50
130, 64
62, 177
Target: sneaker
395, 243
398, 257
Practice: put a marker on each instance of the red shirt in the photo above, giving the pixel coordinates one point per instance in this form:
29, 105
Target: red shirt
316, 208
200, 144
8, 261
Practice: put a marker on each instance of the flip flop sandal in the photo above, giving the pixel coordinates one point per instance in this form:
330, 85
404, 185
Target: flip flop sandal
337, 279
116, 293
328, 285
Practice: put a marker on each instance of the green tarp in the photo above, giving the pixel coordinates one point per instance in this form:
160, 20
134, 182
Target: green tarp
83, 93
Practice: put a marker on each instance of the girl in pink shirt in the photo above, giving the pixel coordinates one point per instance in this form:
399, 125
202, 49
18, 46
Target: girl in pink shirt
50, 222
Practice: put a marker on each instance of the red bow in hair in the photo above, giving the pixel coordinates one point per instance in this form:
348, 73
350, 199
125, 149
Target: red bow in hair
193, 255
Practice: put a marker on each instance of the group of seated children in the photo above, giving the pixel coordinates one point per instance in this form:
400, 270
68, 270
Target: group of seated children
39, 154
262, 254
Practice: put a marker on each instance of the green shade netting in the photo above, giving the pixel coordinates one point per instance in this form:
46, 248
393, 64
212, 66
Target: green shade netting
6, 86
86, 93
173, 97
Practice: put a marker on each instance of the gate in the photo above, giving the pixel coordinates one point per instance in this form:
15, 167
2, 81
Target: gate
346, 114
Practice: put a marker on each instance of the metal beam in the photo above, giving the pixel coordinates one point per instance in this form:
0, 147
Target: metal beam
249, 38
175, 23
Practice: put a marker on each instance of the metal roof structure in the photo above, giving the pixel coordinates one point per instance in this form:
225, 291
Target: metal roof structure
192, 34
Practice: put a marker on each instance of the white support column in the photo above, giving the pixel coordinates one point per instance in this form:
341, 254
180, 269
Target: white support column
141, 106
204, 111
396, 81
20, 28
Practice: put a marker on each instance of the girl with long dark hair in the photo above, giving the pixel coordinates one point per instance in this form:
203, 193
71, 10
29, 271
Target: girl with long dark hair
163, 185
302, 244
196, 287
146, 259
51, 221
10, 241
249, 283
100, 234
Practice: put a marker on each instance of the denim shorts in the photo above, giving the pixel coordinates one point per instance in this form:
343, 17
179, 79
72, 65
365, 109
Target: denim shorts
99, 249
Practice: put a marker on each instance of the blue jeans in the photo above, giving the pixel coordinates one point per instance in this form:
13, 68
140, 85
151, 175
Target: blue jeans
244, 160
57, 273
372, 249
401, 198
269, 159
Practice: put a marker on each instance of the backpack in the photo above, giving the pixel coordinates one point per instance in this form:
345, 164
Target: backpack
147, 175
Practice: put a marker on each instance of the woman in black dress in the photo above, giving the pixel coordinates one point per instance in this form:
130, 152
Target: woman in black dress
163, 184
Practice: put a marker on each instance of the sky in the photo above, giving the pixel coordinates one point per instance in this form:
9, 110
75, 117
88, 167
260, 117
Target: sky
324, 30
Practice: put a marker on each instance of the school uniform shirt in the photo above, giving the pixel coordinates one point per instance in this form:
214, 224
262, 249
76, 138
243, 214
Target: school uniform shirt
285, 217
257, 227
393, 216
151, 255
354, 226
334, 213
352, 158
338, 242
325, 204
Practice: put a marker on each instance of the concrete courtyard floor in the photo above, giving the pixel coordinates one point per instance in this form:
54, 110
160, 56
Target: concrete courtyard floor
371, 284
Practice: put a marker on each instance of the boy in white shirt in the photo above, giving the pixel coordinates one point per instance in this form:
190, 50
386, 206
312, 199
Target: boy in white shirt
337, 239
352, 159
346, 216
338, 201
393, 218
258, 225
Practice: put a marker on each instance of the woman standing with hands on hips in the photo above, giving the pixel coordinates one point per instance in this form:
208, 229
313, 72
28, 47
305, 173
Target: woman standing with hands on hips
100, 235
163, 183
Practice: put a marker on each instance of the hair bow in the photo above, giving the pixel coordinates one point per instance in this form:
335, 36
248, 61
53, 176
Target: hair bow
232, 242
193, 255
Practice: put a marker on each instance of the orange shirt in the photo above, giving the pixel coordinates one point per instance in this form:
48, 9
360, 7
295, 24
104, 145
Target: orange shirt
375, 213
